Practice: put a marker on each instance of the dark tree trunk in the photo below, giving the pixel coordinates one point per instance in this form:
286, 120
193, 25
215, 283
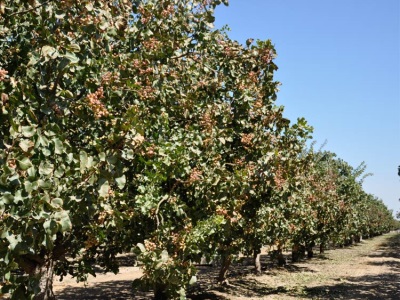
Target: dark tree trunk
310, 252
281, 258
257, 261
322, 248
223, 272
295, 253
357, 238
160, 292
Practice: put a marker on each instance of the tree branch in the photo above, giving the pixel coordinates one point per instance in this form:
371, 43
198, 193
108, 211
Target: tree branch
31, 9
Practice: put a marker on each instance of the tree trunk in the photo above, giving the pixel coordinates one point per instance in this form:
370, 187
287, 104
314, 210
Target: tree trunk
223, 272
310, 252
357, 238
322, 248
160, 292
295, 253
281, 258
45, 273
257, 261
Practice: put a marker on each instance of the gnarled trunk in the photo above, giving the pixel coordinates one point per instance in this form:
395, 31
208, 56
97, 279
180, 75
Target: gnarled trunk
45, 273
223, 272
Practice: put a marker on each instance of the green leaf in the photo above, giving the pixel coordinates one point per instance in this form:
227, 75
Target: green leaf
104, 188
74, 47
121, 181
63, 219
71, 57
24, 164
57, 202
46, 168
58, 146
164, 256
49, 52
14, 240
193, 280
141, 247
83, 158
7, 198
28, 131
50, 226
26, 145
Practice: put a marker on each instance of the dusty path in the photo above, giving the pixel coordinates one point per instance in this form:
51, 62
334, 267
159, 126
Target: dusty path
370, 270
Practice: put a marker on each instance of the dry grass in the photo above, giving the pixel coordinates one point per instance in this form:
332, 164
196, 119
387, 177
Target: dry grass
369, 270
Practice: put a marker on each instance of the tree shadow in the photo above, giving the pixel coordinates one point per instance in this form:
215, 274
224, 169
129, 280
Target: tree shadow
389, 248
103, 290
370, 287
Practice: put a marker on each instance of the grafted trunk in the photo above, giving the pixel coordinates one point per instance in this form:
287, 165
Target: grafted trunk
257, 261
223, 272
45, 273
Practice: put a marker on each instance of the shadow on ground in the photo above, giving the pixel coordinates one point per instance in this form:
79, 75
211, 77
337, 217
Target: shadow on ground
376, 287
368, 287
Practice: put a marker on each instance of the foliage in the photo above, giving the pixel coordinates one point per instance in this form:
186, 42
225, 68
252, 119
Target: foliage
135, 124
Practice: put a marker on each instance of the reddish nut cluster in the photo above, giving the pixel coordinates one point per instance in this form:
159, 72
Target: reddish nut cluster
3, 74
150, 151
267, 56
136, 63
96, 105
207, 122
195, 175
258, 104
151, 44
146, 17
253, 76
247, 139
109, 77
239, 161
150, 246
4, 99
168, 11
12, 163
146, 93
279, 179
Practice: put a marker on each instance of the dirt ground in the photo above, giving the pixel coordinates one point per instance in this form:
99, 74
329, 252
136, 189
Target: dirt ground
369, 270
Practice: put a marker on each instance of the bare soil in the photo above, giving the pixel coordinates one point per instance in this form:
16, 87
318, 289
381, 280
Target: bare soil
368, 270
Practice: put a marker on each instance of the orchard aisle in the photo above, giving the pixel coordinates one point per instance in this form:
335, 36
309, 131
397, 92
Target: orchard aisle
370, 270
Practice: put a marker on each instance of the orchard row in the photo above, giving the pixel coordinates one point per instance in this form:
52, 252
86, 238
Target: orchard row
135, 126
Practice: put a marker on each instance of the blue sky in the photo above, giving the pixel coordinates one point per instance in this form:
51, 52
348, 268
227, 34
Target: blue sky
339, 65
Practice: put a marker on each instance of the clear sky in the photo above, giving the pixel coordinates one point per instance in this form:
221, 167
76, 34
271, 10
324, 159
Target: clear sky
339, 65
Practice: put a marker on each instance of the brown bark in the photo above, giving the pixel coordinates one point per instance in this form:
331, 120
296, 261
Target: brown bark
295, 253
321, 248
223, 272
45, 273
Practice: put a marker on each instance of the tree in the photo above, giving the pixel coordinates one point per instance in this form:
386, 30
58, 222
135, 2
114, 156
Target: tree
133, 124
